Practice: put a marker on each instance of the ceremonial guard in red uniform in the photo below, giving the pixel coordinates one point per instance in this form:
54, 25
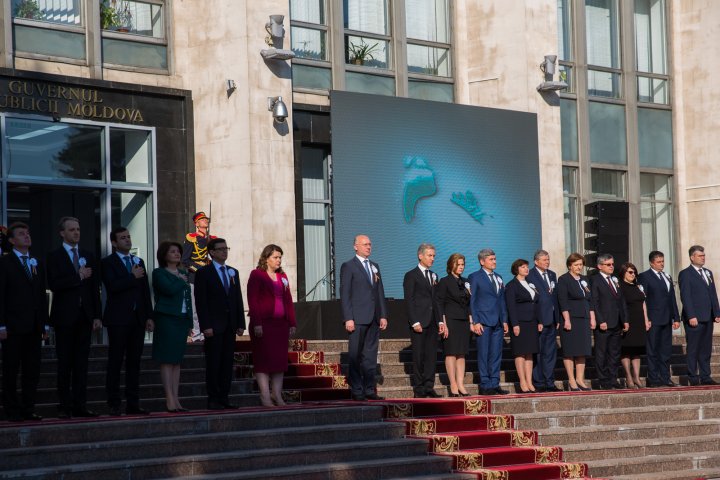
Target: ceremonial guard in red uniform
195, 256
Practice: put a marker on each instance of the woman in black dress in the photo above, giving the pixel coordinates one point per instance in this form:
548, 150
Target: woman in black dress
521, 299
578, 321
453, 297
633, 343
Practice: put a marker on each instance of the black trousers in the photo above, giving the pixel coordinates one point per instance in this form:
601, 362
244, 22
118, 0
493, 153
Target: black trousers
219, 354
544, 369
125, 342
658, 345
72, 346
699, 349
424, 354
607, 354
362, 357
20, 352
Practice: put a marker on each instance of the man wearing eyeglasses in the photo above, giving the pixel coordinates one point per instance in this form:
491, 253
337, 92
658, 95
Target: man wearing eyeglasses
662, 310
612, 319
221, 313
700, 310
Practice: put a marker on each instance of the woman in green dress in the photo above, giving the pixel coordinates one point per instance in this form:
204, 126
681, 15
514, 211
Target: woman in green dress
173, 319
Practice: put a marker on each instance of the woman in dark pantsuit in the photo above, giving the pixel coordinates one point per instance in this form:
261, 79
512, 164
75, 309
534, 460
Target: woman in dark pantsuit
272, 323
521, 299
453, 297
578, 321
173, 319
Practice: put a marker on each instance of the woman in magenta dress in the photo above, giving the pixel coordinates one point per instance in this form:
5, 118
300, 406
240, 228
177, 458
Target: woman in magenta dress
272, 323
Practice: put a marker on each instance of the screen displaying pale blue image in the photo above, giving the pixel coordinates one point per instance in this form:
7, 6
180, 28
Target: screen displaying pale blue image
412, 171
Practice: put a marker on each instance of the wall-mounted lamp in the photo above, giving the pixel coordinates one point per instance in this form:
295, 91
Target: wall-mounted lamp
274, 39
548, 68
278, 108
275, 29
231, 87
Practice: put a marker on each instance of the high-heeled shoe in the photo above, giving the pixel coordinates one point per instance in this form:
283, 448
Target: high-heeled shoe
464, 394
172, 410
454, 395
576, 389
584, 389
181, 409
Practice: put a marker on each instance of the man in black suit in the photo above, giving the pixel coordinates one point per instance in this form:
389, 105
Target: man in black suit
221, 313
700, 310
364, 309
128, 314
611, 317
544, 280
425, 321
73, 279
662, 310
23, 320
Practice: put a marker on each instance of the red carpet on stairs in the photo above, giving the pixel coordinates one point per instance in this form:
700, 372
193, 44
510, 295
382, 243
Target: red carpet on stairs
480, 443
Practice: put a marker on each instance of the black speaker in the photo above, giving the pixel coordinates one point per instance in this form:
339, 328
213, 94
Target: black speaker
606, 231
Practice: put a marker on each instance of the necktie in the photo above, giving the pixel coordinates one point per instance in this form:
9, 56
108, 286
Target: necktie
612, 287
547, 280
427, 275
128, 264
75, 259
25, 266
367, 270
226, 284
664, 280
704, 275
492, 279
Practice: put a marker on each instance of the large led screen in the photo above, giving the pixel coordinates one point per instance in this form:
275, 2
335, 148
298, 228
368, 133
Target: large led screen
412, 171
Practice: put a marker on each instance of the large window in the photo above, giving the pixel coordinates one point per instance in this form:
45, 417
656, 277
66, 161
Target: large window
102, 174
656, 217
570, 209
364, 54
134, 34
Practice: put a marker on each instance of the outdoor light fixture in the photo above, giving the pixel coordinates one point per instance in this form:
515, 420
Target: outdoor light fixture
231, 87
548, 68
278, 109
274, 39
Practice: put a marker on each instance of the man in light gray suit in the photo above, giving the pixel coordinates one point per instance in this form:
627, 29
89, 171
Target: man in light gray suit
364, 310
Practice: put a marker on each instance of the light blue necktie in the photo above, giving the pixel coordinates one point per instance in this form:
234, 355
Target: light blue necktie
128, 265
226, 284
367, 269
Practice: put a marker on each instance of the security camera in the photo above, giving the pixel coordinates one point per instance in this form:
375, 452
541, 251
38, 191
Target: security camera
278, 109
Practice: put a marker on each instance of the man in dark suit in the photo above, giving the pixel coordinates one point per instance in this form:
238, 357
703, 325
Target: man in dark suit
611, 317
662, 310
490, 320
700, 310
23, 320
364, 310
220, 310
128, 312
544, 280
425, 321
73, 278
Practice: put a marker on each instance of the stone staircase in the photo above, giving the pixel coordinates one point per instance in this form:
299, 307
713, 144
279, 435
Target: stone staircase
318, 442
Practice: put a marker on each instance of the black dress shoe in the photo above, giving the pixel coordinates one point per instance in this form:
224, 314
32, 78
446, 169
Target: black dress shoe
670, 383
374, 396
32, 416
552, 389
420, 395
114, 411
500, 391
212, 405
433, 394
64, 413
14, 417
616, 386
709, 381
230, 406
136, 411
488, 391
84, 413
693, 383
359, 398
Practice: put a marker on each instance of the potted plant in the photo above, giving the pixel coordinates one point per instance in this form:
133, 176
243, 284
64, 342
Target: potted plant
29, 9
115, 15
362, 52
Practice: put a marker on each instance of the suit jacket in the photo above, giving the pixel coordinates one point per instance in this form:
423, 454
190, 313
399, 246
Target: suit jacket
23, 302
69, 292
453, 298
572, 297
360, 300
261, 298
170, 292
487, 303
127, 297
420, 298
548, 306
521, 306
661, 303
215, 308
699, 299
608, 308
